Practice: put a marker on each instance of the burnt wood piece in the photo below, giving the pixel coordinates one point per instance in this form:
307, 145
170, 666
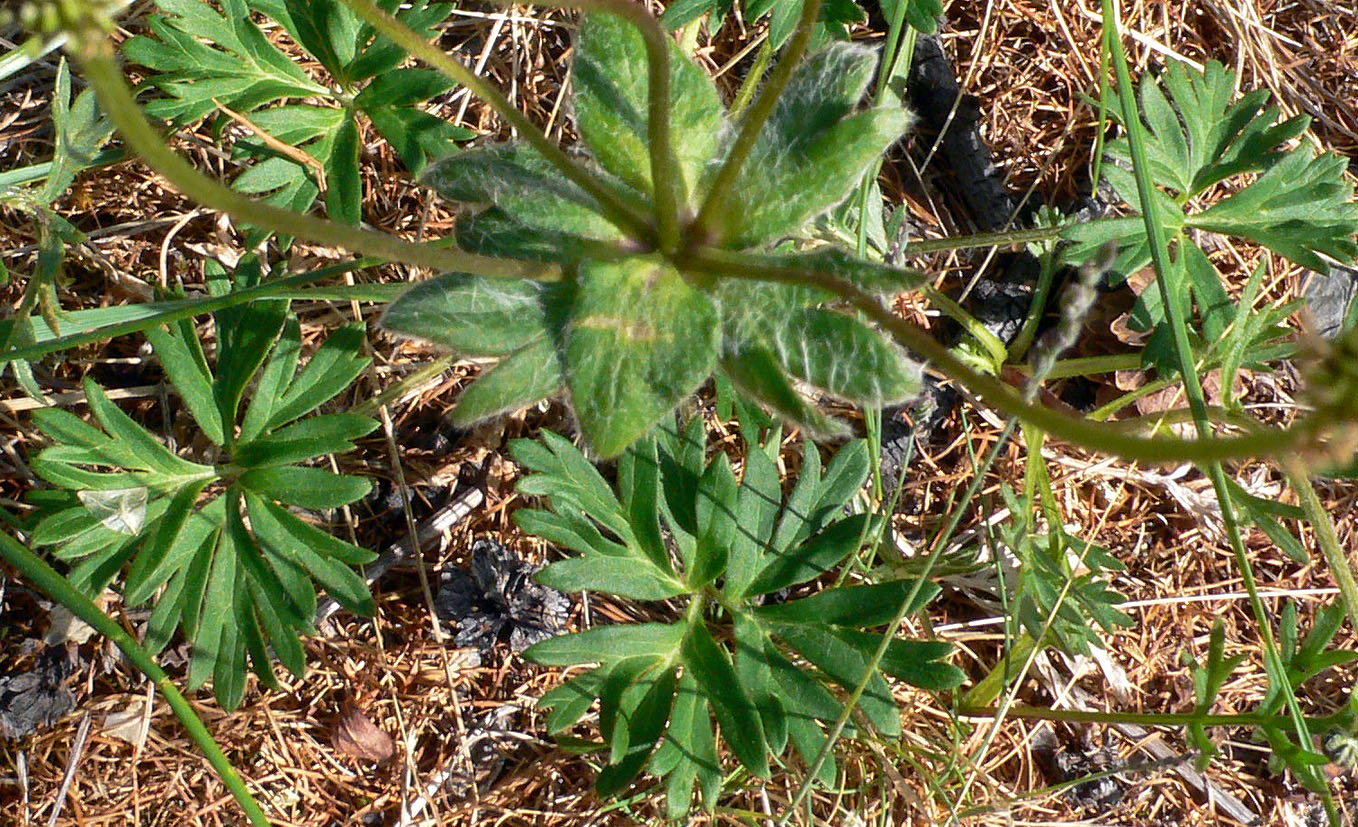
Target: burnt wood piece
35, 700
944, 111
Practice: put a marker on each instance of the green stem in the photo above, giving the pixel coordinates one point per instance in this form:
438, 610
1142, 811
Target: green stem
628, 214
745, 93
1326, 536
994, 348
370, 406
664, 163
1174, 719
59, 589
723, 185
187, 308
1037, 308
1059, 424
1165, 269
95, 56
967, 242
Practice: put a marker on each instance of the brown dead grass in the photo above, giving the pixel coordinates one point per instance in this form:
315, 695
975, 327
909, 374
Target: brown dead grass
1028, 62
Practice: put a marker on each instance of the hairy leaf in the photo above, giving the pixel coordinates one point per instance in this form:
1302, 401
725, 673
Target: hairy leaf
639, 340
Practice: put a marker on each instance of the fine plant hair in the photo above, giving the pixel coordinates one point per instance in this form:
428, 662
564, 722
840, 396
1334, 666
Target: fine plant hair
681, 244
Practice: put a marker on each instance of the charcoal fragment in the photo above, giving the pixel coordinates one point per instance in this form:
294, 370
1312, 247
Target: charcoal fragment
36, 699
498, 600
492, 742
1065, 761
955, 118
1002, 306
1098, 795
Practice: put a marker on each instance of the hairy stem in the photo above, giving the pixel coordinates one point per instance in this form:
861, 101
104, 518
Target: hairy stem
664, 165
95, 56
967, 242
1059, 424
55, 586
723, 185
628, 214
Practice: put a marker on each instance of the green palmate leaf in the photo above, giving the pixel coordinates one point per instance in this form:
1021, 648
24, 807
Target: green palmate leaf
816, 500
563, 473
689, 752
1301, 207
622, 686
313, 437
284, 181
344, 195
569, 529
135, 441
328, 30
804, 696
913, 661
716, 521
474, 315
214, 614
181, 355
735, 541
1202, 137
814, 150
273, 381
1130, 233
333, 367
402, 87
306, 487
922, 15
415, 135
286, 529
517, 179
754, 651
681, 452
758, 500
206, 62
639, 493
246, 70
247, 335
571, 700
644, 724
174, 539
239, 587
639, 340
280, 533
612, 92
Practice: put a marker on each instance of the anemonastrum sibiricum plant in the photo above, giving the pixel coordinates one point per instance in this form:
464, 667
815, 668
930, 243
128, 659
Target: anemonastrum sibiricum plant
640, 317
